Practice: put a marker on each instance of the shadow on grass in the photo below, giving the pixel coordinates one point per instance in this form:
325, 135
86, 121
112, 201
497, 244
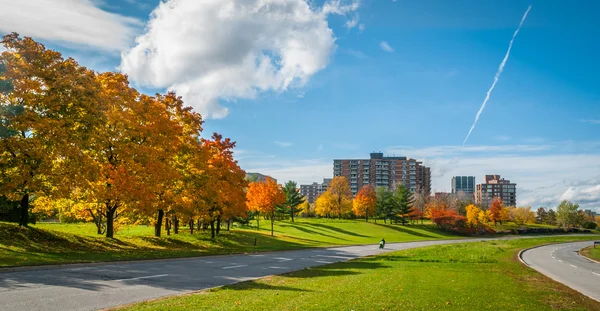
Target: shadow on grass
250, 285
309, 231
408, 231
339, 230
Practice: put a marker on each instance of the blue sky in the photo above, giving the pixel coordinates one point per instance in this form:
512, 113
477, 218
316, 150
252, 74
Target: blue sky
401, 77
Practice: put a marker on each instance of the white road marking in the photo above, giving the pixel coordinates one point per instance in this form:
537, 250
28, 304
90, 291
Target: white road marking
596, 273
322, 261
233, 267
273, 267
573, 266
142, 277
281, 259
559, 260
339, 257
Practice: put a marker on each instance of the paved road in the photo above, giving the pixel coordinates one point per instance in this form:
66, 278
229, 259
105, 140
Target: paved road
562, 263
112, 284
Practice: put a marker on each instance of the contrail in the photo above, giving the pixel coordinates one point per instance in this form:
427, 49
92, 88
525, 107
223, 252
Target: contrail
500, 69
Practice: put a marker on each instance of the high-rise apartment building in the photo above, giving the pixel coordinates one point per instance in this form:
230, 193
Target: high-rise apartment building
463, 186
496, 187
380, 171
314, 190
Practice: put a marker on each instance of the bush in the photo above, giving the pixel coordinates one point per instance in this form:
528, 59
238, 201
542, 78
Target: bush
590, 225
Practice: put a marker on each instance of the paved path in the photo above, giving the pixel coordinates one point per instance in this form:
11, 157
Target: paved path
562, 263
112, 284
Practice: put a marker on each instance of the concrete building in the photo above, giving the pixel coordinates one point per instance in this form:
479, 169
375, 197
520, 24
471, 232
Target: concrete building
496, 187
380, 171
258, 177
314, 190
464, 187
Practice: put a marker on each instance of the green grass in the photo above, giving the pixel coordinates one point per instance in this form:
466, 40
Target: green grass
469, 276
72, 243
591, 252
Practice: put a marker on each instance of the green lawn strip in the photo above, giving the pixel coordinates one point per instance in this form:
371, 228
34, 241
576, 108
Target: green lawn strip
44, 244
591, 252
468, 276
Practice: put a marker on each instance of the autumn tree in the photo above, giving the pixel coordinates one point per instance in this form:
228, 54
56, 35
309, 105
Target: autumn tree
223, 196
293, 198
306, 210
264, 198
522, 215
49, 113
473, 215
443, 215
323, 205
495, 211
364, 203
341, 196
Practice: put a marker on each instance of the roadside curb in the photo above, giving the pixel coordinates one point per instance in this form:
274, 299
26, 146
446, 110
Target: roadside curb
586, 257
553, 279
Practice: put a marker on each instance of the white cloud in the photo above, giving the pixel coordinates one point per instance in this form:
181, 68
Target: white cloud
215, 50
68, 22
283, 143
448, 151
386, 47
591, 121
361, 27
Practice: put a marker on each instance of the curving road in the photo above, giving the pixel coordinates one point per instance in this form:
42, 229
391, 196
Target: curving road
96, 286
562, 263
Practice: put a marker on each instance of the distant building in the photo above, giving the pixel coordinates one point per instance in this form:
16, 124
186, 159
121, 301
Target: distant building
314, 190
380, 171
258, 177
496, 187
440, 195
590, 213
464, 187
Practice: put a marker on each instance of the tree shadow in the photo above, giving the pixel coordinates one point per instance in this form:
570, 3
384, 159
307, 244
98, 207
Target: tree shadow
406, 230
309, 231
332, 228
250, 285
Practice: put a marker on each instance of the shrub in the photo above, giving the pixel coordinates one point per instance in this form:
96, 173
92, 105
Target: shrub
590, 225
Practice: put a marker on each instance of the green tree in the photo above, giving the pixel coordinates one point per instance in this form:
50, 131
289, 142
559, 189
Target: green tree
551, 218
541, 216
566, 214
403, 201
383, 203
293, 198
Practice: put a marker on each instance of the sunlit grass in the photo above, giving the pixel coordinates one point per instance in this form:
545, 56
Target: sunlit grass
470, 276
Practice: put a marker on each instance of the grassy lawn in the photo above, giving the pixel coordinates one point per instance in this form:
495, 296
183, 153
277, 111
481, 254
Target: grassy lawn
591, 252
71, 243
470, 276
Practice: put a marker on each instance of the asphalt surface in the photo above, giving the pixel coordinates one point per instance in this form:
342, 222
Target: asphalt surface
562, 263
99, 286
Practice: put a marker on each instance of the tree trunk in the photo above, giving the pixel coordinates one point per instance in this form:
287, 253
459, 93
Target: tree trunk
272, 221
24, 217
159, 221
98, 221
292, 213
218, 225
384, 221
191, 226
199, 225
175, 224
212, 229
228, 224
110, 220
168, 225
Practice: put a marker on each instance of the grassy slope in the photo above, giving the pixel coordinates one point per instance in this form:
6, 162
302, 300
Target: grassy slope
470, 276
591, 252
68, 243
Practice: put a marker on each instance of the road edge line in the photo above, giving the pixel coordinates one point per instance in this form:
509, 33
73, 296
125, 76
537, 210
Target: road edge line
528, 266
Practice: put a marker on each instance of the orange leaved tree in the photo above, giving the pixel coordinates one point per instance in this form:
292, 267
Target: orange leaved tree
265, 197
496, 211
364, 203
